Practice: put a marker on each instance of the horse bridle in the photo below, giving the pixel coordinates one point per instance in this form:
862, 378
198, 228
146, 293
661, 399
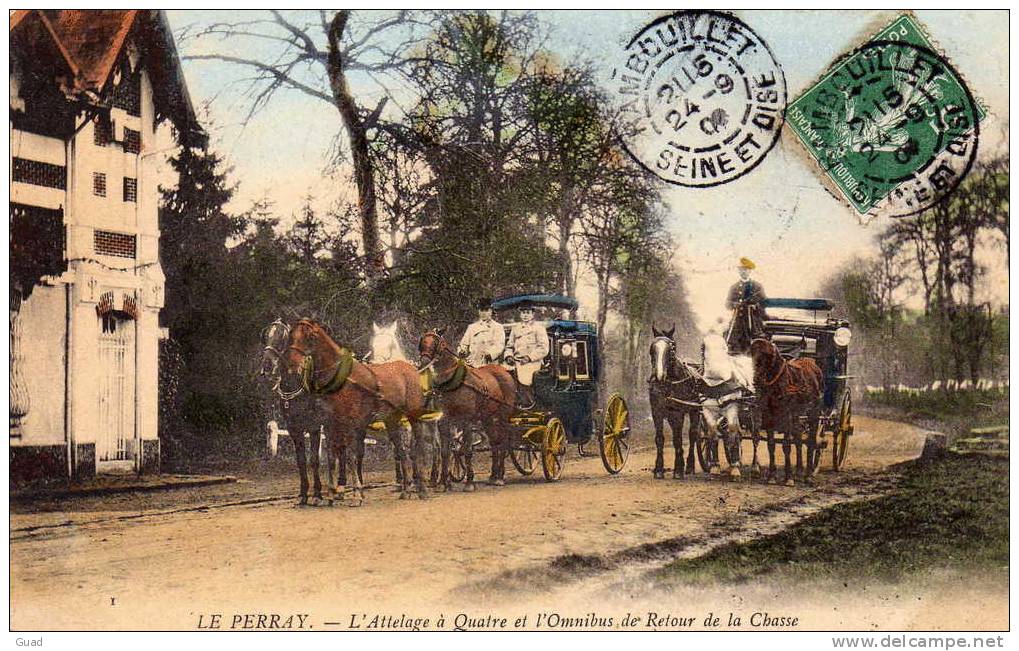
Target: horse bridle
278, 354
671, 354
781, 369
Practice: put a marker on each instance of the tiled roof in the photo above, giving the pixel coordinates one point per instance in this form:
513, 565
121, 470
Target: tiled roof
91, 42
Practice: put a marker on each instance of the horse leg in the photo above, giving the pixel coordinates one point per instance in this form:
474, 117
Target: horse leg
315, 443
444, 483
302, 465
467, 443
422, 455
787, 451
676, 425
432, 431
357, 493
755, 436
656, 417
734, 441
772, 470
402, 444
693, 423
798, 442
498, 441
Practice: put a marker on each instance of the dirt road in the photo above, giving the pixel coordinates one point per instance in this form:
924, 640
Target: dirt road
515, 550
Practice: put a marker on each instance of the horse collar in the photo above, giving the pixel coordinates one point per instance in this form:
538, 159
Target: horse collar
781, 371
455, 379
342, 371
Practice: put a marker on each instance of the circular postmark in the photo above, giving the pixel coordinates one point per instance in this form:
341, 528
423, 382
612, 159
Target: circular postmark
893, 125
701, 97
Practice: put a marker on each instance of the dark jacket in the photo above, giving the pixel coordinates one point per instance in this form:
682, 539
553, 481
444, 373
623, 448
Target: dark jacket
746, 302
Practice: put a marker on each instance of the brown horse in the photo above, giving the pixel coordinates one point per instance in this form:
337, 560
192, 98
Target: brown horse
787, 391
471, 395
357, 394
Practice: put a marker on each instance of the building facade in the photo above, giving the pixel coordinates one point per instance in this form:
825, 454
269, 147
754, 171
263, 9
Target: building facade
89, 92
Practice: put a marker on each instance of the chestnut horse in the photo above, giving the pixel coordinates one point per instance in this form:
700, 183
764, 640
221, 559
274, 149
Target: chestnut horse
787, 391
357, 394
470, 395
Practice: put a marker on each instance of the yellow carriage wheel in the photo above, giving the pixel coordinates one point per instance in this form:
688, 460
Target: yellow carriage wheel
612, 439
553, 450
843, 430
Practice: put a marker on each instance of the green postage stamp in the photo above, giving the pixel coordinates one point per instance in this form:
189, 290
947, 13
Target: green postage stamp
892, 124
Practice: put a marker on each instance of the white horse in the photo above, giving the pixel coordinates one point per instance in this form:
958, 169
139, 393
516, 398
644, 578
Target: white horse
727, 378
386, 344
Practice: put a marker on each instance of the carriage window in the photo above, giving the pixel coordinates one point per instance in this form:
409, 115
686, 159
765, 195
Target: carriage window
583, 373
563, 363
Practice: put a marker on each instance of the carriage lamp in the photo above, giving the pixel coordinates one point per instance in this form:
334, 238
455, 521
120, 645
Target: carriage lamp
566, 350
842, 336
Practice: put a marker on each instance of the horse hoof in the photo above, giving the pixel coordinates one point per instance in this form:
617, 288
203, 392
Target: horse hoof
422, 495
441, 488
714, 470
355, 503
469, 487
659, 474
755, 470
735, 474
496, 482
678, 475
789, 481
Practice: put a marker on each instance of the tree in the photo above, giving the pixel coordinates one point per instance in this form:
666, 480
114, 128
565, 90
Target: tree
303, 62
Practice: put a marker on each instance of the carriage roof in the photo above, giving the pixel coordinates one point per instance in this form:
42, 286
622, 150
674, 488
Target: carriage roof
535, 300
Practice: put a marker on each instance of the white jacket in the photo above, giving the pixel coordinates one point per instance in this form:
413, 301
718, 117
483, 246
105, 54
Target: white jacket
483, 338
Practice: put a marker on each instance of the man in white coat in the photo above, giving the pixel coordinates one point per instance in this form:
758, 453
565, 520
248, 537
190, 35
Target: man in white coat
527, 346
483, 341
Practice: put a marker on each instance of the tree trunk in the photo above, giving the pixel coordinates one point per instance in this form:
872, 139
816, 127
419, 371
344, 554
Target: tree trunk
357, 134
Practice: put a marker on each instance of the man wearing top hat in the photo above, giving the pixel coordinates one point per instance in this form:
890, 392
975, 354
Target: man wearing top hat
746, 302
484, 340
527, 346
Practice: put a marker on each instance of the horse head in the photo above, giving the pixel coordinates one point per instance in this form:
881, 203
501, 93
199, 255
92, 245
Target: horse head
663, 349
385, 344
275, 340
765, 355
431, 345
307, 339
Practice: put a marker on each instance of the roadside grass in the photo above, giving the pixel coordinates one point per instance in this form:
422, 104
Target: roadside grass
951, 411
947, 513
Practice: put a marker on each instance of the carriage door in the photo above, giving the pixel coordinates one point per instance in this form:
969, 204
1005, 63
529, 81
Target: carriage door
115, 440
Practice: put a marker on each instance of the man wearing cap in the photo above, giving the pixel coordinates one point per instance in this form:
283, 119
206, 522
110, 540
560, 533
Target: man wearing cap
527, 346
483, 341
746, 301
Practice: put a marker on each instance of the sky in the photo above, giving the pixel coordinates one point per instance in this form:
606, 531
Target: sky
779, 215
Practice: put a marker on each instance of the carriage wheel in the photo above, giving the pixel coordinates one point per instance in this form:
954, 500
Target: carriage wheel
554, 450
524, 458
457, 466
702, 441
842, 431
612, 439
814, 430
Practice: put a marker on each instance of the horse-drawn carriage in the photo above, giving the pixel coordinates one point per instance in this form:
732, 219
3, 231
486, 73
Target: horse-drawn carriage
679, 394
566, 393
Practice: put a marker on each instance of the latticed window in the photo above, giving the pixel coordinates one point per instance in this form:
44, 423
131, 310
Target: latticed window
130, 189
99, 184
38, 173
128, 94
102, 133
120, 245
132, 141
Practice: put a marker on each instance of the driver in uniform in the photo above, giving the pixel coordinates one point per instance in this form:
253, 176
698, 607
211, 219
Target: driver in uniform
746, 302
483, 341
527, 346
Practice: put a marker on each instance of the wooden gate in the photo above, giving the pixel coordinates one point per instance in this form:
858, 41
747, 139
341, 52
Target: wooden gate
115, 440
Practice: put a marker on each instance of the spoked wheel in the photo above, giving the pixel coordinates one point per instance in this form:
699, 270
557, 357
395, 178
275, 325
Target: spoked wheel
523, 459
457, 465
814, 431
842, 431
702, 442
612, 439
553, 450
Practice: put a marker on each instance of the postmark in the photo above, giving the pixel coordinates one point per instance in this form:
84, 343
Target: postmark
892, 125
702, 98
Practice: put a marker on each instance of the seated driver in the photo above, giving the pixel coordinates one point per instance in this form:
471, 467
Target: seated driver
526, 348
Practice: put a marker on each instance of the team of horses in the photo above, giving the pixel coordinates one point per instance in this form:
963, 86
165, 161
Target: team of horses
317, 380
715, 405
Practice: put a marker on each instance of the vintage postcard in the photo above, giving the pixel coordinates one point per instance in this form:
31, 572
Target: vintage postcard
510, 320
